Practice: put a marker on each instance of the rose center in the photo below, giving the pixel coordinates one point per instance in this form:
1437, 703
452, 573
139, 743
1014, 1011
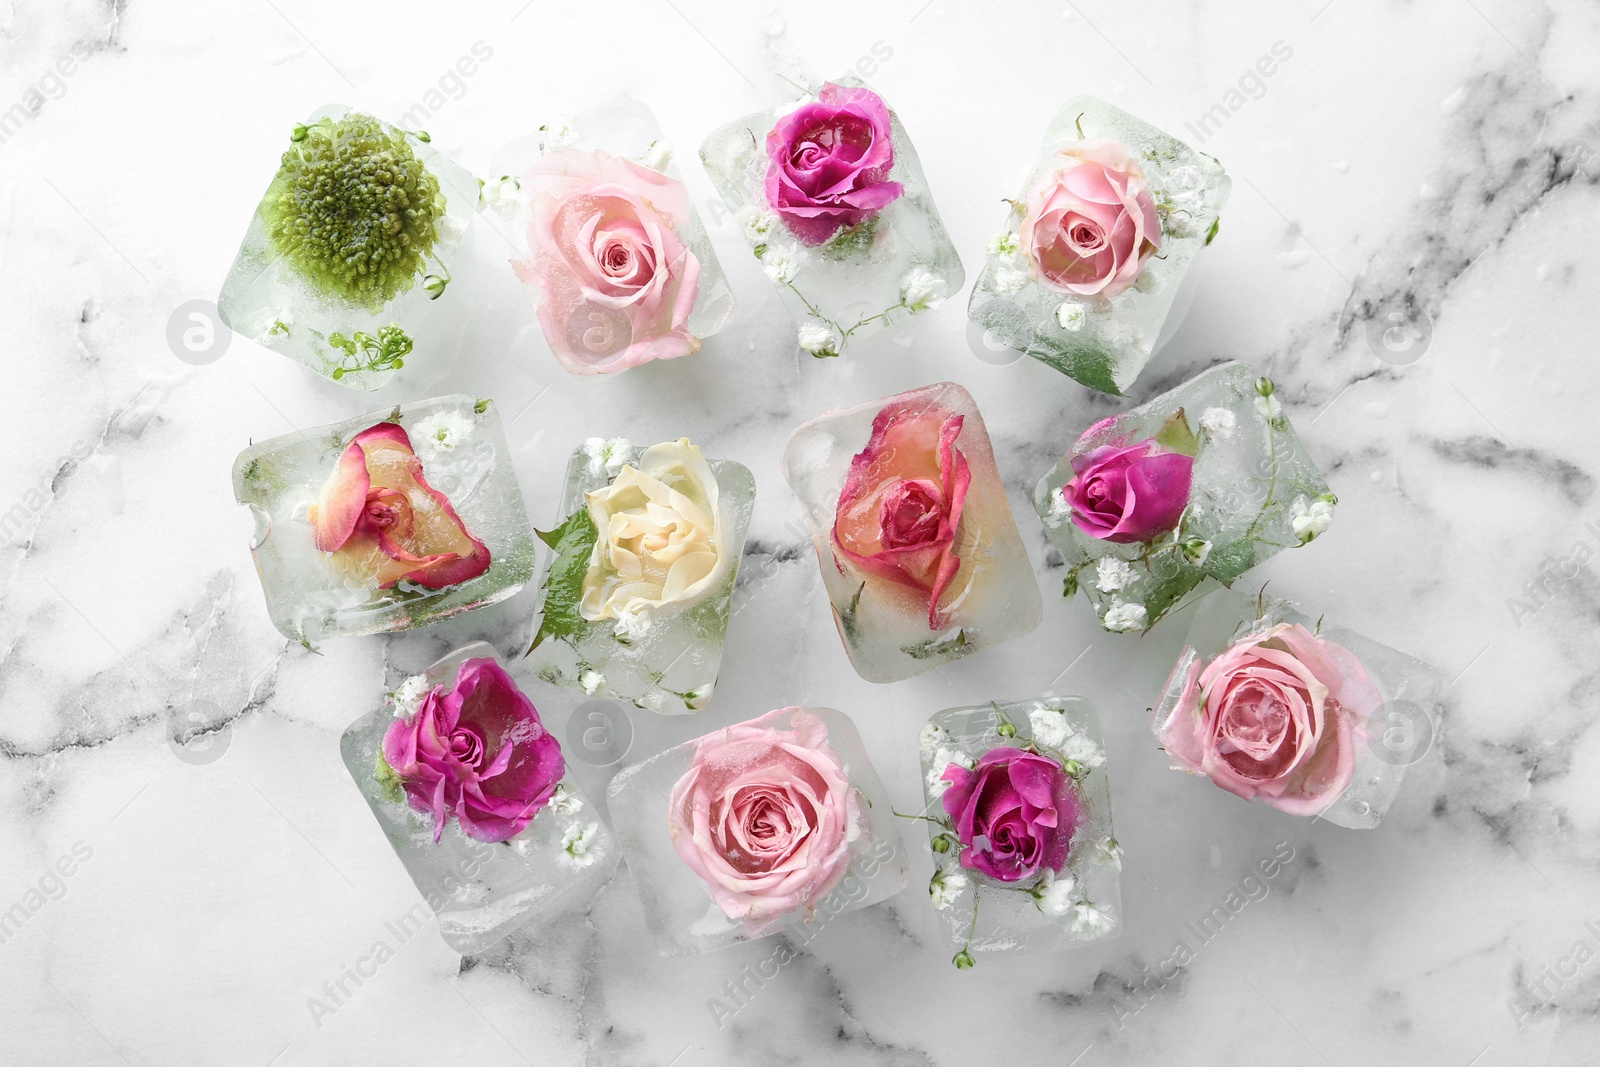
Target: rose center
910, 513
1084, 237
467, 747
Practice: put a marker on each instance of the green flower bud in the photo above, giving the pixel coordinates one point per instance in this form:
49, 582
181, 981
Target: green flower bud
1005, 729
963, 960
1069, 585
1265, 387
940, 844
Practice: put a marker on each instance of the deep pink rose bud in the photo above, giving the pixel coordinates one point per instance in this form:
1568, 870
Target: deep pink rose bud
1128, 494
1021, 804
830, 161
479, 752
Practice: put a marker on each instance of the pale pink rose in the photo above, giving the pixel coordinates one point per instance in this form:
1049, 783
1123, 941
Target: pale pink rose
1090, 222
1276, 717
617, 280
764, 815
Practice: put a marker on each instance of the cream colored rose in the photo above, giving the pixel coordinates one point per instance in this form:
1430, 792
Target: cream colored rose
659, 540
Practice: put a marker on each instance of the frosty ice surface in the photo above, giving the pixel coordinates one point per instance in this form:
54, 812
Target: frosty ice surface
1379, 715
615, 258
1049, 909
648, 636
1085, 269
796, 785
1253, 490
831, 197
349, 247
919, 552
464, 504
481, 891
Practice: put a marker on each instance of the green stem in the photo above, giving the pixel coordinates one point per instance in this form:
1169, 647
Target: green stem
1272, 483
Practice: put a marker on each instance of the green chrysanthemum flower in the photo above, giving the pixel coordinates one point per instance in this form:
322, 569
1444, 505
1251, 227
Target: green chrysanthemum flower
353, 210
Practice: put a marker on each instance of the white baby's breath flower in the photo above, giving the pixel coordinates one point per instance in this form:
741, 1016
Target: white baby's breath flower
1121, 616
1060, 509
1196, 550
942, 759
946, 885
818, 338
1006, 245
1085, 917
1108, 852
592, 682
1049, 724
443, 431
630, 626
697, 697
756, 224
274, 322
577, 844
560, 131
500, 195
609, 454
1009, 280
1081, 748
781, 262
922, 290
1268, 407
1218, 422
408, 697
1070, 316
654, 701
1111, 573
1310, 519
1053, 894
931, 737
564, 801
658, 155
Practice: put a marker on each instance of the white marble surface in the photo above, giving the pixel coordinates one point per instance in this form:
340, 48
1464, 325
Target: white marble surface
1443, 148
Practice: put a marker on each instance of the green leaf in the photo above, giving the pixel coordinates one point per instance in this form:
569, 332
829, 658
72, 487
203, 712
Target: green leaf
390, 782
572, 542
930, 648
1211, 234
1175, 435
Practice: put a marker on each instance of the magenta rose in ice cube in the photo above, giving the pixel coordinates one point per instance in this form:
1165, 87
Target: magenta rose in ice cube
1128, 493
477, 751
764, 816
1023, 807
829, 162
1277, 717
1090, 223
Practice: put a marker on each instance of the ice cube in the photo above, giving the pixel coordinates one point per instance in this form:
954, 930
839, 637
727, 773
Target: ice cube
671, 292
844, 851
649, 641
947, 575
1253, 491
856, 253
1084, 287
362, 189
462, 502
1386, 706
1046, 909
481, 891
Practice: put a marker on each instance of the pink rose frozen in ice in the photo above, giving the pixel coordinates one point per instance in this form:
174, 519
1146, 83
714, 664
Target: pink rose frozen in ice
478, 752
1020, 804
1090, 222
902, 502
616, 279
829, 162
1128, 493
1277, 717
764, 815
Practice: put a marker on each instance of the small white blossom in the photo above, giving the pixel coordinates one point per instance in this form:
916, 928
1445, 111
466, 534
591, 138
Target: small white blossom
1006, 245
452, 228
592, 682
577, 844
409, 696
1111, 574
1108, 852
273, 323
1268, 407
818, 339
1081, 748
654, 700
1009, 280
1218, 422
922, 290
500, 195
756, 224
1070, 316
947, 884
1053, 896
1121, 617
609, 454
658, 155
560, 131
443, 431
631, 627
1196, 550
1049, 725
1085, 917
931, 737
697, 697
1310, 519
1060, 510
781, 262
564, 801
942, 759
